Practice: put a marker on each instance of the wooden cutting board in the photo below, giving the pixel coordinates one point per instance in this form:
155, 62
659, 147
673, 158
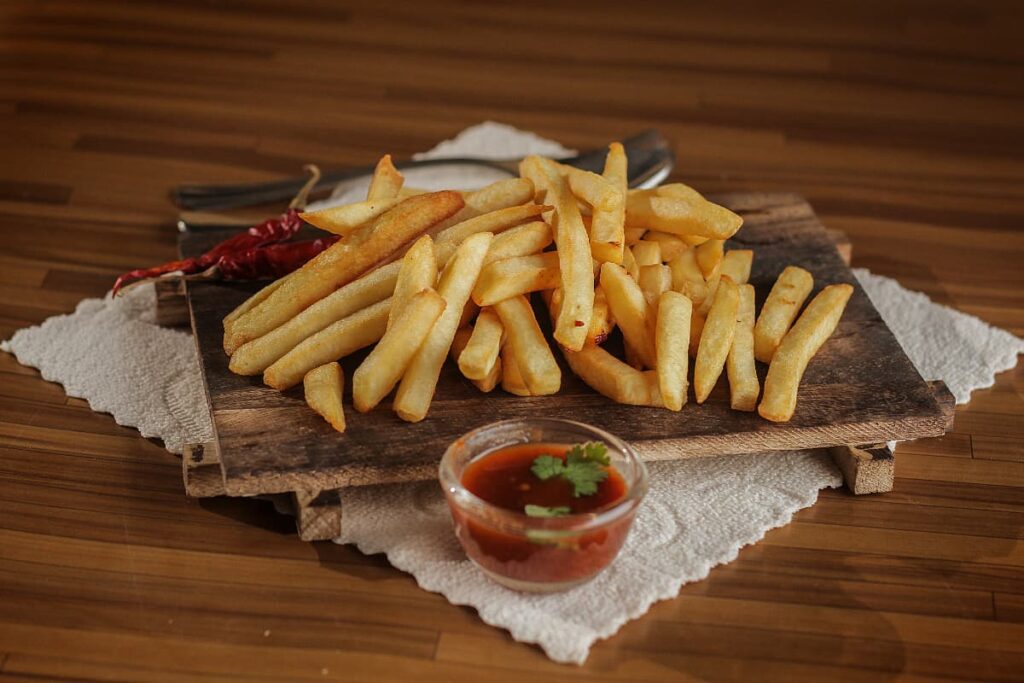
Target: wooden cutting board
860, 389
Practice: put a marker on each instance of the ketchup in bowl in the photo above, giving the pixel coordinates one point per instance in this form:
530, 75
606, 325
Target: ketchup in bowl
542, 505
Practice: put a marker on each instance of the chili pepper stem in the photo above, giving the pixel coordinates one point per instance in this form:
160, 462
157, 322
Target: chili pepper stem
300, 199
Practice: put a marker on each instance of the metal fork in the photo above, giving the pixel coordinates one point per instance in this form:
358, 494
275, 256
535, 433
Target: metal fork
649, 156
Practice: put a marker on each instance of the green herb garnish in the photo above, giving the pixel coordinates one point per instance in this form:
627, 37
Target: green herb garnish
583, 467
541, 511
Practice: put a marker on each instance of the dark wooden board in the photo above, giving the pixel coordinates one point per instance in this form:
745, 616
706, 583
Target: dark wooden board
861, 388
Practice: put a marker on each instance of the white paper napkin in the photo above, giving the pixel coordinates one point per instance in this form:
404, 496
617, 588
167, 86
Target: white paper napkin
698, 513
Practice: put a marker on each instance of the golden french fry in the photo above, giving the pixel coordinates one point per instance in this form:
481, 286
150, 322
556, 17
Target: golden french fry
522, 240
687, 278
514, 276
647, 253
498, 195
671, 343
481, 351
630, 309
511, 379
594, 189
342, 263
696, 330
249, 303
253, 357
529, 348
779, 310
743, 383
634, 235
574, 264
716, 339
407, 192
736, 264
629, 263
487, 384
335, 341
386, 181
607, 229
815, 325
680, 213
416, 390
322, 386
712, 289
609, 376
494, 222
709, 257
602, 322
654, 280
377, 375
348, 218
418, 271
671, 245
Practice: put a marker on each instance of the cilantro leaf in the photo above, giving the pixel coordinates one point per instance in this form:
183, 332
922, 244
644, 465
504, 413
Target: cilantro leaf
584, 477
541, 511
592, 451
547, 466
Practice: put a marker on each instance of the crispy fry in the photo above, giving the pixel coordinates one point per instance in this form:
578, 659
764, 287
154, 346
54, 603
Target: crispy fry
574, 263
736, 264
481, 352
249, 303
712, 289
498, 195
487, 384
679, 215
380, 371
386, 181
779, 310
592, 188
743, 383
709, 257
533, 169
609, 376
416, 390
687, 278
696, 330
335, 341
671, 343
671, 245
511, 379
322, 387
629, 263
253, 357
716, 339
514, 276
634, 235
654, 280
607, 229
418, 271
495, 222
342, 263
348, 218
529, 348
522, 240
630, 309
602, 322
815, 325
647, 253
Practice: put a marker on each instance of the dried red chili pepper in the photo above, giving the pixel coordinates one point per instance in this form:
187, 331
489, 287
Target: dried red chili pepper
273, 261
269, 232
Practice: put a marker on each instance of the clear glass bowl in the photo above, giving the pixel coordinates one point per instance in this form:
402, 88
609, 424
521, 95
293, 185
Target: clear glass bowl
530, 553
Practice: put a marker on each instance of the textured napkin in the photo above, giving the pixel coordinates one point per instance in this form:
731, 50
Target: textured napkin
698, 513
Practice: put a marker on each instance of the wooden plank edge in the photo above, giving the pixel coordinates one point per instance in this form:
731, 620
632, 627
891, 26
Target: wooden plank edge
201, 471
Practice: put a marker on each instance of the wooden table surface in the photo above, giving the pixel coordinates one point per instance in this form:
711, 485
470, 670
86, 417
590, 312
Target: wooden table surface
902, 122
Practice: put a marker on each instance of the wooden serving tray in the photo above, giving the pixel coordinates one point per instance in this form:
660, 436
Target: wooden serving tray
860, 389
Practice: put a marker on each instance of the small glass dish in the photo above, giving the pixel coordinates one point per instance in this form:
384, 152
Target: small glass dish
535, 554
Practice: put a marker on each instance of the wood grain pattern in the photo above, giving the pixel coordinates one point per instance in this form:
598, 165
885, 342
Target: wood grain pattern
860, 388
900, 122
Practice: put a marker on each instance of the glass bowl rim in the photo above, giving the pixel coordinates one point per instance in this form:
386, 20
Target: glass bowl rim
519, 522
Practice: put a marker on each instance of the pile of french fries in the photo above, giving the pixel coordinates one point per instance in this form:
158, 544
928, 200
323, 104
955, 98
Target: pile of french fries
424, 276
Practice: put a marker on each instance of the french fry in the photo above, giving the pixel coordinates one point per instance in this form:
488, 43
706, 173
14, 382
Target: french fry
494, 222
529, 348
696, 330
418, 271
592, 188
680, 212
629, 263
574, 264
671, 344
743, 383
253, 357
736, 264
335, 341
779, 310
416, 389
342, 263
654, 280
323, 386
522, 240
487, 384
647, 253
514, 276
627, 303
609, 376
386, 181
634, 235
511, 379
377, 375
249, 303
533, 169
716, 339
709, 257
815, 325
407, 192
712, 289
671, 245
602, 322
607, 229
498, 195
481, 351
348, 218
687, 278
